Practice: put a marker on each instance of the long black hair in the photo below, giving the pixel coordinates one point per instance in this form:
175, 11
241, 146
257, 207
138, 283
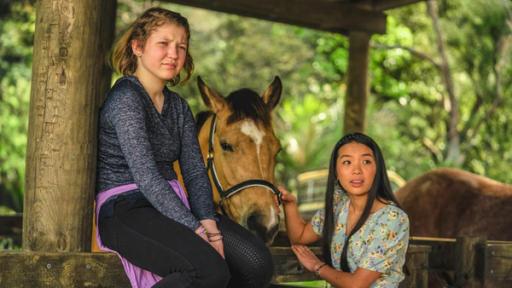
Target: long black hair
381, 188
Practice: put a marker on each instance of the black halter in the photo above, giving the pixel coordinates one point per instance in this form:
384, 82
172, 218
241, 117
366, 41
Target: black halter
225, 194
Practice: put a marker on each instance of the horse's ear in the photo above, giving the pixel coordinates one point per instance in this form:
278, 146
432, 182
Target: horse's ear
272, 95
211, 98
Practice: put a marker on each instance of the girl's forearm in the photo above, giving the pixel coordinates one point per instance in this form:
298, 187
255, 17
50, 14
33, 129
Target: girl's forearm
295, 225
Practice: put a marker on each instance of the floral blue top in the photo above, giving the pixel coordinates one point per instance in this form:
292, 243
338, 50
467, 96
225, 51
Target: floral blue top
380, 245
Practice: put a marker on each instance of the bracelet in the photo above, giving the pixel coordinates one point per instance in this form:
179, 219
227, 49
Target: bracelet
215, 240
318, 267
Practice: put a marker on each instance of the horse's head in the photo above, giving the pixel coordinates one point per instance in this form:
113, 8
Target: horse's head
243, 148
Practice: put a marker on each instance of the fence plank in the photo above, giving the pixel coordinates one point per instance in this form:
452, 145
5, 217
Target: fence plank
442, 254
416, 267
61, 270
497, 265
467, 256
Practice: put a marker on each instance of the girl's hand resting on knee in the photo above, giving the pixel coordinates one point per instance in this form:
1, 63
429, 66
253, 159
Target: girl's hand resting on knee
213, 235
216, 241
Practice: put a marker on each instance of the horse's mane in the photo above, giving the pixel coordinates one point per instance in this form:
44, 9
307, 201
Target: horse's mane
244, 103
201, 118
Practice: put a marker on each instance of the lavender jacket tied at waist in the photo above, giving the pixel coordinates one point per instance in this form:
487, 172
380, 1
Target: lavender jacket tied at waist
139, 278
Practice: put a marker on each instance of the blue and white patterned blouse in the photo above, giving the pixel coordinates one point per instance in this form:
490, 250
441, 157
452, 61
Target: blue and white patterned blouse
380, 245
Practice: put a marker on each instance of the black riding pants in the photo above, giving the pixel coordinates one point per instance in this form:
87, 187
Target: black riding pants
169, 249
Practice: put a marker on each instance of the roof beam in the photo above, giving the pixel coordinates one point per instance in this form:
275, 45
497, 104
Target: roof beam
381, 5
339, 17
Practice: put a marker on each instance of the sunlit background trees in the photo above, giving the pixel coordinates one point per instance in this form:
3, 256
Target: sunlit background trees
441, 85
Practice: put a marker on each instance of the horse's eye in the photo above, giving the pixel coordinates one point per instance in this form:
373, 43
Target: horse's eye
226, 146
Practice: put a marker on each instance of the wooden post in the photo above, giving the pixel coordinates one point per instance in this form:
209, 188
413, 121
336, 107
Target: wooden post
357, 83
69, 78
416, 267
466, 254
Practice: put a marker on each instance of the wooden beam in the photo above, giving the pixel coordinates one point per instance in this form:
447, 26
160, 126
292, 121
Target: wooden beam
69, 78
357, 83
339, 17
61, 270
56, 270
381, 5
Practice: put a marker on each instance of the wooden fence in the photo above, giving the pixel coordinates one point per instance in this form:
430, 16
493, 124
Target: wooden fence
431, 262
468, 262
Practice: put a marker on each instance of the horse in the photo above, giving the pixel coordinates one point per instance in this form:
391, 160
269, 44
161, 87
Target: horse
239, 146
448, 203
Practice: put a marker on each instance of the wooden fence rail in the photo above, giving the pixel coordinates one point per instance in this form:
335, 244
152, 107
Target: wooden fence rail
431, 262
468, 262
65, 270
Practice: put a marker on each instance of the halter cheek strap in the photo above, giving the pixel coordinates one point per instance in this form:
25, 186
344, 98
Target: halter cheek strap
226, 194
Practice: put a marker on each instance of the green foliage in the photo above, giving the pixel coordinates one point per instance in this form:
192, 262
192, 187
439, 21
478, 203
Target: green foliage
16, 34
478, 38
408, 110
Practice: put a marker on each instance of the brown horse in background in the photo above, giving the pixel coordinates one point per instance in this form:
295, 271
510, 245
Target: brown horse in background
243, 149
449, 203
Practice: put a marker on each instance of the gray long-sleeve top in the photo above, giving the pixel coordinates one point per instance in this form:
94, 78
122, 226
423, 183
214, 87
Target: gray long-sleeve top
137, 144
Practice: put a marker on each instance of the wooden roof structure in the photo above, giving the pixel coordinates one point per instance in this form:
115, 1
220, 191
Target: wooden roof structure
339, 16
357, 19
69, 79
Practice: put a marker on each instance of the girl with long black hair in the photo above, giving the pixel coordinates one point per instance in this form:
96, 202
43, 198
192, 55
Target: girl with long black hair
364, 231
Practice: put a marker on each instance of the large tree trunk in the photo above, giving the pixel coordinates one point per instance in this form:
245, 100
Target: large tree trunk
69, 78
357, 83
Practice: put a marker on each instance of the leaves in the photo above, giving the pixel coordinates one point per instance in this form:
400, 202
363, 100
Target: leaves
407, 113
16, 34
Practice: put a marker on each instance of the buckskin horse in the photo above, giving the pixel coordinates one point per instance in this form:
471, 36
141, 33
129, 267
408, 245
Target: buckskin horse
239, 146
449, 202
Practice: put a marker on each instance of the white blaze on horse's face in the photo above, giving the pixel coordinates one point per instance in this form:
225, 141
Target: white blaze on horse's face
250, 129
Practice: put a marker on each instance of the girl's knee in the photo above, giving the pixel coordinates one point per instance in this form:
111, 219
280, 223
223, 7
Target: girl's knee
217, 275
259, 271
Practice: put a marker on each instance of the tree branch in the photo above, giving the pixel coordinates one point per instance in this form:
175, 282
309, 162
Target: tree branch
411, 50
453, 147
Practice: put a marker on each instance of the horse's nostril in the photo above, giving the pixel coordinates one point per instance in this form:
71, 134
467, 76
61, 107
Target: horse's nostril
254, 224
253, 221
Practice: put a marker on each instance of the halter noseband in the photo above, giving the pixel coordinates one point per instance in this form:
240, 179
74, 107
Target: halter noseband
226, 194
